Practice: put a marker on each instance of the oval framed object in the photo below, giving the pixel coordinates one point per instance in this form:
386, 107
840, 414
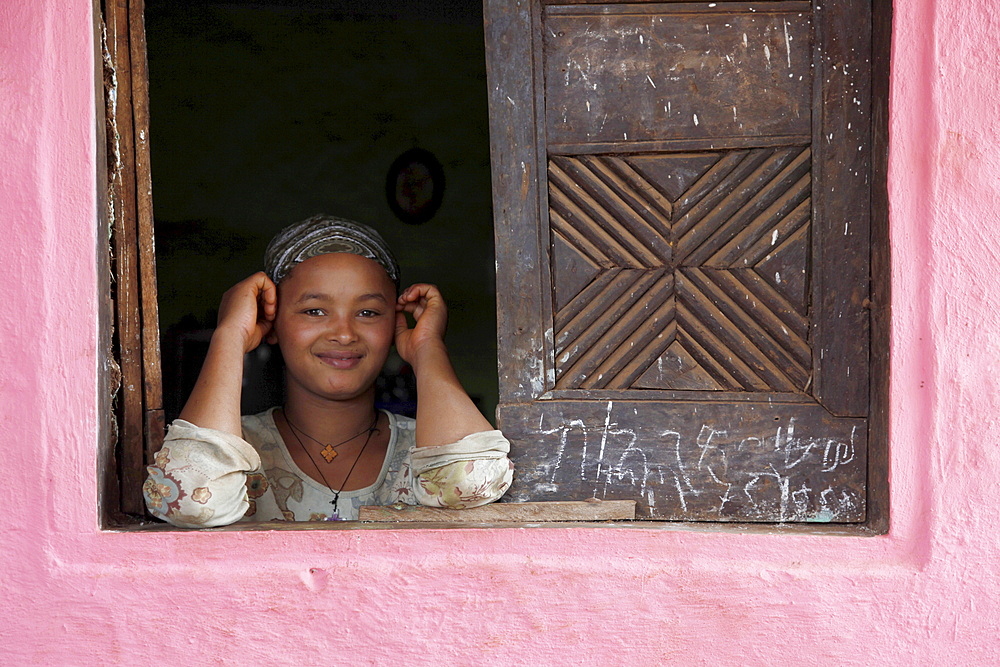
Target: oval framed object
414, 186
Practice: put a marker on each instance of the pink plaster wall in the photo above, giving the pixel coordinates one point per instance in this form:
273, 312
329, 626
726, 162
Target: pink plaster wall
925, 594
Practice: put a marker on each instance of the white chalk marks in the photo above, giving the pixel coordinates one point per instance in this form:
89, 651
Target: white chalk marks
776, 473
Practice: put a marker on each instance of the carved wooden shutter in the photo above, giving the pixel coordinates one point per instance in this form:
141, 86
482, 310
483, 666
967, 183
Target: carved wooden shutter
682, 198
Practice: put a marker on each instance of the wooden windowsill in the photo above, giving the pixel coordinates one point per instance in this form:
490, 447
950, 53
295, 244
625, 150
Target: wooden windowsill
580, 510
595, 513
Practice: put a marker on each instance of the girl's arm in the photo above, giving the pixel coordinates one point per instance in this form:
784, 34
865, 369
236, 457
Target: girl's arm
199, 477
445, 413
246, 315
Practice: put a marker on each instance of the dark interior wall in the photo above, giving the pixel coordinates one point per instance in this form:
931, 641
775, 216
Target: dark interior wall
264, 114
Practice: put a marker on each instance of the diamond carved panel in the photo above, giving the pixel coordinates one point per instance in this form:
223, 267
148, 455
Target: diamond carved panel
682, 271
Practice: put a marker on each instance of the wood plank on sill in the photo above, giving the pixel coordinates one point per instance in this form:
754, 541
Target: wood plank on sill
582, 510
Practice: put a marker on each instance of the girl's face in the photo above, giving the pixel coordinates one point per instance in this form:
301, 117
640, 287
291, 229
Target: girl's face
335, 325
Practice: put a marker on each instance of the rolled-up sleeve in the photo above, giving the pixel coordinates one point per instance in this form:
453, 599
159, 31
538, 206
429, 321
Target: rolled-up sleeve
199, 477
471, 472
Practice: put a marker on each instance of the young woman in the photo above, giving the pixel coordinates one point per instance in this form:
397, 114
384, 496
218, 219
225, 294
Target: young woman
328, 299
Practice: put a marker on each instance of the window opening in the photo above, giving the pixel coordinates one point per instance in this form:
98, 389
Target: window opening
265, 113
526, 173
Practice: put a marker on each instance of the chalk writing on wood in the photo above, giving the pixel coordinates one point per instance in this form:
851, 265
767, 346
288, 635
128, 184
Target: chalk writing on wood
763, 465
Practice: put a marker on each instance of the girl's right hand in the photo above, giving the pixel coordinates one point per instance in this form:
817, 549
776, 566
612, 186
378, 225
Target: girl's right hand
247, 310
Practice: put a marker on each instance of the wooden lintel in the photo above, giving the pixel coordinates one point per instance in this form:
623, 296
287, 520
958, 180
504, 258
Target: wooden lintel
584, 510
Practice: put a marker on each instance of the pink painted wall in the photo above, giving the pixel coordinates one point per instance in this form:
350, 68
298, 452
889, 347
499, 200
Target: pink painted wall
925, 594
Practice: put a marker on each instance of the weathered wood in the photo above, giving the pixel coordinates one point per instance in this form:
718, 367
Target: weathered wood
736, 320
852, 530
643, 229
751, 209
109, 375
678, 395
676, 145
599, 191
126, 262
130, 197
692, 461
598, 330
841, 192
152, 385
878, 430
670, 74
592, 510
677, 6
521, 321
681, 260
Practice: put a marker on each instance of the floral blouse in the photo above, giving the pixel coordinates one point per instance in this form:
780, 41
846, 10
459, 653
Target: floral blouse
203, 477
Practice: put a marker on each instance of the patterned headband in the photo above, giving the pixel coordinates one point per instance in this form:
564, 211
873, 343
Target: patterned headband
323, 234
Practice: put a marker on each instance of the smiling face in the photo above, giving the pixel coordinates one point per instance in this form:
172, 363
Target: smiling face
335, 325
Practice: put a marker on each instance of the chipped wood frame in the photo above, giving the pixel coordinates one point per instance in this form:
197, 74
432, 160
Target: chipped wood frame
134, 390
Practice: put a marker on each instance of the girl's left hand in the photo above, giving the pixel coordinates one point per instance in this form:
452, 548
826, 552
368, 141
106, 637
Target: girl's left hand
428, 308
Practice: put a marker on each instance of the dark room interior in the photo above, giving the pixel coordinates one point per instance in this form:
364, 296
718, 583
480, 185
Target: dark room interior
266, 113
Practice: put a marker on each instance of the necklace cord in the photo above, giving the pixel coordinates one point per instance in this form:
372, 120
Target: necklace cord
294, 428
336, 492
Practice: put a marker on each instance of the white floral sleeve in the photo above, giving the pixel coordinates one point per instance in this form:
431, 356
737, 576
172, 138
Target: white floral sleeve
202, 477
199, 477
471, 472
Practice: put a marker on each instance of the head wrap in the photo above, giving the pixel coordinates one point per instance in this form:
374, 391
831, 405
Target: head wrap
323, 234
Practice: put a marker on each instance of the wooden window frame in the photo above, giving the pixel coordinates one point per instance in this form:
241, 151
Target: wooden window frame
130, 394
133, 394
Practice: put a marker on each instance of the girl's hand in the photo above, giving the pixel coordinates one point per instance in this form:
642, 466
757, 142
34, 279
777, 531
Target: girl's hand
247, 310
428, 308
